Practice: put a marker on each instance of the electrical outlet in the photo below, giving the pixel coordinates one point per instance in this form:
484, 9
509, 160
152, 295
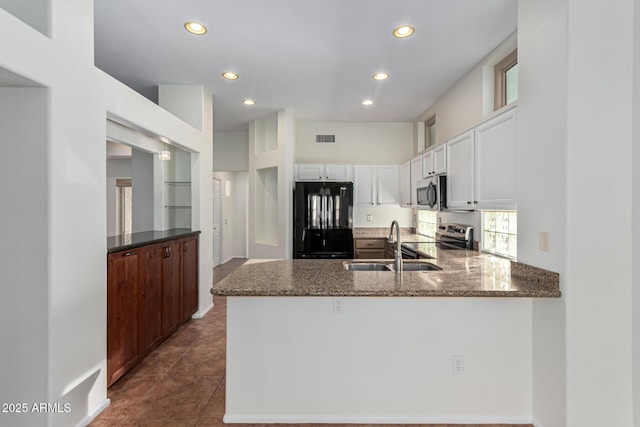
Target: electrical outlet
338, 306
543, 240
457, 365
369, 217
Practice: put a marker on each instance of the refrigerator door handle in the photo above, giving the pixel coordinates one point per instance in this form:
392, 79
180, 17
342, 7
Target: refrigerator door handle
324, 212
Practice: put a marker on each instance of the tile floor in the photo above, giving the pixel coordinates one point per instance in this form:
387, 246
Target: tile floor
182, 382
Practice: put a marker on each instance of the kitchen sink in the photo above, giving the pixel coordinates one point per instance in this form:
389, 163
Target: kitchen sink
419, 266
383, 266
367, 266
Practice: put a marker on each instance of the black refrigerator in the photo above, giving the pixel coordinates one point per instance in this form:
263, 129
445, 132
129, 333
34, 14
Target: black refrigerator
323, 220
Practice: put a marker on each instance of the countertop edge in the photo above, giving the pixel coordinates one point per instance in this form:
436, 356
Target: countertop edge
437, 294
146, 242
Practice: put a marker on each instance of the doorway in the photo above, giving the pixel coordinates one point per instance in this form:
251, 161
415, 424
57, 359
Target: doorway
216, 222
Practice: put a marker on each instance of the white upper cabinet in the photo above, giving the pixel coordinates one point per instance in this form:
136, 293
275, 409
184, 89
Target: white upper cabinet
338, 171
495, 162
434, 162
416, 175
405, 184
427, 164
376, 184
460, 168
440, 160
481, 166
364, 185
324, 172
309, 172
388, 185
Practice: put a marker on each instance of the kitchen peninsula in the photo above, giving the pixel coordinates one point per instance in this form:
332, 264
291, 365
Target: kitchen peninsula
309, 341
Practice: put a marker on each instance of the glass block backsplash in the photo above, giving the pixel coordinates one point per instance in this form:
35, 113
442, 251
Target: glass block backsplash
500, 233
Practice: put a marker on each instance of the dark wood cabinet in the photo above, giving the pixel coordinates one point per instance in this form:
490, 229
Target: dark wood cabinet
189, 277
171, 286
150, 296
123, 332
151, 291
370, 248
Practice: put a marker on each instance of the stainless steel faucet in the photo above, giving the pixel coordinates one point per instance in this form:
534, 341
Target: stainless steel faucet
398, 253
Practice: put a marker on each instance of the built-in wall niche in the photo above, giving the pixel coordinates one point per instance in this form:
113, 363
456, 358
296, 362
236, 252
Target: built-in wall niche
266, 206
266, 134
34, 13
177, 189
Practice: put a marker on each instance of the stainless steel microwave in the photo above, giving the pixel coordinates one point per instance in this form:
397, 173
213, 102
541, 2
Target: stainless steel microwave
432, 193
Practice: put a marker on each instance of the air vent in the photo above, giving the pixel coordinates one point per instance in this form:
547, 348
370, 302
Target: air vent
325, 139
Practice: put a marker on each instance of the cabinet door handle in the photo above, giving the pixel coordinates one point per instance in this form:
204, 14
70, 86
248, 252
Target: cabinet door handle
128, 254
468, 202
186, 245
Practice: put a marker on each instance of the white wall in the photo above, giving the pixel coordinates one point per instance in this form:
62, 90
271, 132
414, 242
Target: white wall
382, 216
385, 360
635, 226
240, 191
59, 301
24, 264
466, 103
356, 142
271, 147
116, 168
231, 151
599, 125
542, 190
36, 13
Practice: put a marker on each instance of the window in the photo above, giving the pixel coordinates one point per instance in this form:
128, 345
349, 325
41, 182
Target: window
430, 132
506, 81
500, 233
427, 223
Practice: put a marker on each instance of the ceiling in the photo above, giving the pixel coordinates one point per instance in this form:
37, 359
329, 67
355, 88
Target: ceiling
315, 56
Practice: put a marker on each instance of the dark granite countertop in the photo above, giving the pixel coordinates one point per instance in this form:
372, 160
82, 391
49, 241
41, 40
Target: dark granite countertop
464, 274
125, 242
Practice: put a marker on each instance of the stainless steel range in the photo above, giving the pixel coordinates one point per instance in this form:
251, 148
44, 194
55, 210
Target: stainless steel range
449, 236
455, 236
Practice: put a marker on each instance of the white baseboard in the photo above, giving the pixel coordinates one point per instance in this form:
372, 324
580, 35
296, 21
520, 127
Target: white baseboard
200, 313
92, 416
329, 419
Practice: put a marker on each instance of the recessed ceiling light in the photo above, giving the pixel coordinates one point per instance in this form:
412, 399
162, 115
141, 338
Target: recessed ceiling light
230, 75
381, 76
249, 102
195, 28
403, 31
367, 102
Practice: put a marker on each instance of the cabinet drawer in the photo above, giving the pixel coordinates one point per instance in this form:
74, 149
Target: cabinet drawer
371, 243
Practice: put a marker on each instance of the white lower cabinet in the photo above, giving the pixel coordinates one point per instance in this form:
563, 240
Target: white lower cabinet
376, 184
481, 166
